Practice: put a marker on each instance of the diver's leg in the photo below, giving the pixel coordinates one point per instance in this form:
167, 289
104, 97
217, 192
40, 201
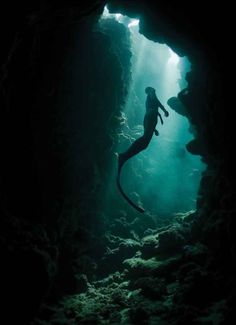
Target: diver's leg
137, 146
141, 143
149, 123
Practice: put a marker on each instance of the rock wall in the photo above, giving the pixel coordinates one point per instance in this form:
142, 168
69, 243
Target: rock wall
62, 84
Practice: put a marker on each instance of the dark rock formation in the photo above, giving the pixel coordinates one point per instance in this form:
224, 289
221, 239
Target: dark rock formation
177, 106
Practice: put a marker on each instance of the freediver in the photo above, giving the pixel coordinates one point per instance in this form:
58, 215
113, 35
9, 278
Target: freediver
149, 123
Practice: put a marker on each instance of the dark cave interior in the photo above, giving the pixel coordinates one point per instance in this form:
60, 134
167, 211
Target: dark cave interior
65, 259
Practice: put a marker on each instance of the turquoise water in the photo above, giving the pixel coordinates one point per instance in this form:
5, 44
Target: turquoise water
165, 177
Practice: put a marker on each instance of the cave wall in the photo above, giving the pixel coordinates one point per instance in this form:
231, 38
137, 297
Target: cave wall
57, 102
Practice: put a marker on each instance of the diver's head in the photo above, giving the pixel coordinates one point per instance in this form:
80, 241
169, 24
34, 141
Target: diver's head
149, 90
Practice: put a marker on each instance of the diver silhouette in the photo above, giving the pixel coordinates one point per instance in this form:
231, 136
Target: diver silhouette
149, 123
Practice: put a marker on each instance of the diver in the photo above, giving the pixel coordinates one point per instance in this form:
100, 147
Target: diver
149, 123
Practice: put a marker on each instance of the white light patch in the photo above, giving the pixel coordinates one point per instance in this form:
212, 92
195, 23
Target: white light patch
174, 58
105, 12
134, 22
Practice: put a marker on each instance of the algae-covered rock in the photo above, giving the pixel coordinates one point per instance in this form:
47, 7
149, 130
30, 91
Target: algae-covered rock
170, 242
112, 260
139, 267
152, 288
149, 246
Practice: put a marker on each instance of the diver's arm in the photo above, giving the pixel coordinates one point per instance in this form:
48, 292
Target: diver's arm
163, 109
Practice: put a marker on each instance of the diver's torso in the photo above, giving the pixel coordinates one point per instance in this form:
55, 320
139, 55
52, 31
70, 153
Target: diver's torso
152, 105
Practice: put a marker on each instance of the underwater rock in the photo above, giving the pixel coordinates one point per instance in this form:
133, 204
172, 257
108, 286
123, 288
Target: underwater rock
117, 278
170, 242
196, 147
129, 247
197, 253
138, 315
29, 262
146, 311
112, 260
149, 246
150, 287
138, 267
108, 302
82, 265
198, 287
120, 227
140, 224
25, 279
81, 283
167, 268
215, 314
177, 106
185, 217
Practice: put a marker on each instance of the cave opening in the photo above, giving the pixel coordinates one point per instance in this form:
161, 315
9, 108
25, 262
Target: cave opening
73, 251
165, 177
